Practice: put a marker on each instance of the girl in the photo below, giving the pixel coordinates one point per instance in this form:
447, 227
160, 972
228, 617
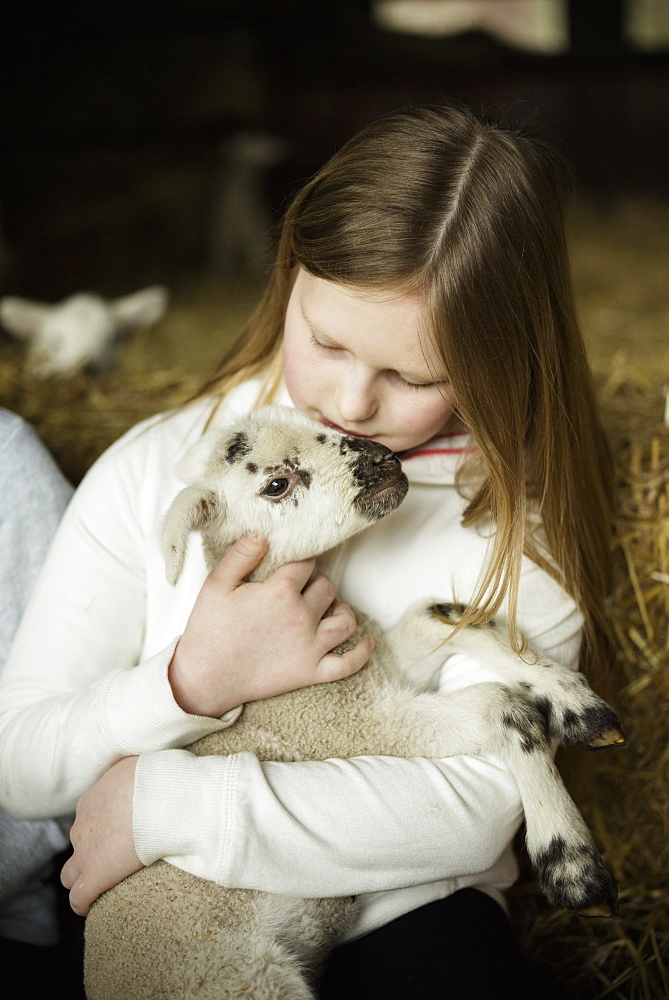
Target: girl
421, 297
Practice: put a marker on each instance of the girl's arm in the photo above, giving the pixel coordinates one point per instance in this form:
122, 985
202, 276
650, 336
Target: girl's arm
324, 828
69, 693
316, 828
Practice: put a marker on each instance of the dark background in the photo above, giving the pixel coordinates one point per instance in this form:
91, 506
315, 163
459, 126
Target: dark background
113, 117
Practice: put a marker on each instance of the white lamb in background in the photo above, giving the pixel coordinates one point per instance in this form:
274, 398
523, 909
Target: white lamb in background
164, 933
81, 331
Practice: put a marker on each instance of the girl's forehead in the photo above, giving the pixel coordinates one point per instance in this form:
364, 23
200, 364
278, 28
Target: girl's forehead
391, 323
332, 308
316, 290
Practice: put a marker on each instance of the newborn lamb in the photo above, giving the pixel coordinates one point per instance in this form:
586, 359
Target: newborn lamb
164, 933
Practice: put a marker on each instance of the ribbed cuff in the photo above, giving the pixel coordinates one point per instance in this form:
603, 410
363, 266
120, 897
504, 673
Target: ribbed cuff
139, 714
181, 809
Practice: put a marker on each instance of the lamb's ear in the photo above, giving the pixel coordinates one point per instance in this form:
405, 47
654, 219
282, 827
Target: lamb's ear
142, 308
193, 509
22, 317
193, 464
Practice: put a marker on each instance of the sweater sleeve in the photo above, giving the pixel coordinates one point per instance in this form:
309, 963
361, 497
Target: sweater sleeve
74, 696
323, 828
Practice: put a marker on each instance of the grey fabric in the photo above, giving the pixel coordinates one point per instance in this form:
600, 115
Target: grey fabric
33, 497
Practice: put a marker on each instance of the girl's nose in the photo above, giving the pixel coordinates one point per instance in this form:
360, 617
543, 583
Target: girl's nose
356, 398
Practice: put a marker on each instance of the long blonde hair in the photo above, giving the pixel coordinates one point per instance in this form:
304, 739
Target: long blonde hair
469, 214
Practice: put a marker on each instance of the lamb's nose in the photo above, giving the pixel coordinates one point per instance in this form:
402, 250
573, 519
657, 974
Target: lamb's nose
379, 465
386, 458
383, 458
387, 466
373, 462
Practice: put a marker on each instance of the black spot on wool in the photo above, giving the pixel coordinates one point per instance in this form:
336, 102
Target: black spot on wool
594, 885
527, 722
238, 448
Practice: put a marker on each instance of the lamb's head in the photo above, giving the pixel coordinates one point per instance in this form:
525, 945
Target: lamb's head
277, 473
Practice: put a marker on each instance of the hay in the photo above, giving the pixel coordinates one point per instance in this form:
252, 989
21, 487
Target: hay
79, 417
626, 794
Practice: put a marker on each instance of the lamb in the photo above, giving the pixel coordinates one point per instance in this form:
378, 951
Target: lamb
164, 933
81, 331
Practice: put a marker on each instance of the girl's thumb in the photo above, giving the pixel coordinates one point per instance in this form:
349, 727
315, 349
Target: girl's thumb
241, 560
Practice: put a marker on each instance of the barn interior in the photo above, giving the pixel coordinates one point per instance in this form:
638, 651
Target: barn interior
159, 144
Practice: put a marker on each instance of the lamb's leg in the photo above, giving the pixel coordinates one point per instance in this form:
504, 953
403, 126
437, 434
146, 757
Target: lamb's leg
574, 714
490, 718
569, 869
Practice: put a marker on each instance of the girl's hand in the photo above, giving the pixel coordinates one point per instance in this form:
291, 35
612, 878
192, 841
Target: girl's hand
247, 641
101, 835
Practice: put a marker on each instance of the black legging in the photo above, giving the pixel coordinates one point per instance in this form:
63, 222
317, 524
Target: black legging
458, 948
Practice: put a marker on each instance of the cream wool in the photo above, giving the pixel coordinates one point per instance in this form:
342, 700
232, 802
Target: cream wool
103, 623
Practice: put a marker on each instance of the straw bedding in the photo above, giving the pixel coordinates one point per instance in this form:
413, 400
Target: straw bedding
625, 793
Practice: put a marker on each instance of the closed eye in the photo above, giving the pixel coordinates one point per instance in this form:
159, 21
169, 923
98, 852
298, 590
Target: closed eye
407, 383
328, 348
391, 374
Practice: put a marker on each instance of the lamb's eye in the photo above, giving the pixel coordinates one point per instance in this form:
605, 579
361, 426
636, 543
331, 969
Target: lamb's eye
277, 488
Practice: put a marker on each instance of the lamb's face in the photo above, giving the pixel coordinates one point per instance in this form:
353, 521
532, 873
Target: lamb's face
304, 487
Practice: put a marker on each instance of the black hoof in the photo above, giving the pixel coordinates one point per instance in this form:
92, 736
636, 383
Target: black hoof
593, 729
451, 613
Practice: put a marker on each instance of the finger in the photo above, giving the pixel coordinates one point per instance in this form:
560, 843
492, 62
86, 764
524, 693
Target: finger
320, 594
240, 561
333, 667
83, 894
81, 899
296, 574
68, 873
336, 627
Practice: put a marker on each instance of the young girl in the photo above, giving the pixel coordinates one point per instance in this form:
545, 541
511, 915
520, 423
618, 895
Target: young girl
421, 297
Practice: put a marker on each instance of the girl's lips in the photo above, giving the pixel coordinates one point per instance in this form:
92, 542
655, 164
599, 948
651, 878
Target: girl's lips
343, 430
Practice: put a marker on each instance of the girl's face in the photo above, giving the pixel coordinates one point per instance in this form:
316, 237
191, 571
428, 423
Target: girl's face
353, 361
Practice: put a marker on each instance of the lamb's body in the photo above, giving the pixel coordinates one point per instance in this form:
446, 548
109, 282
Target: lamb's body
163, 933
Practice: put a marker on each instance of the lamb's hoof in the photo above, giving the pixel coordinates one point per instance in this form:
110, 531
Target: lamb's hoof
597, 910
611, 738
451, 613
576, 878
593, 729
